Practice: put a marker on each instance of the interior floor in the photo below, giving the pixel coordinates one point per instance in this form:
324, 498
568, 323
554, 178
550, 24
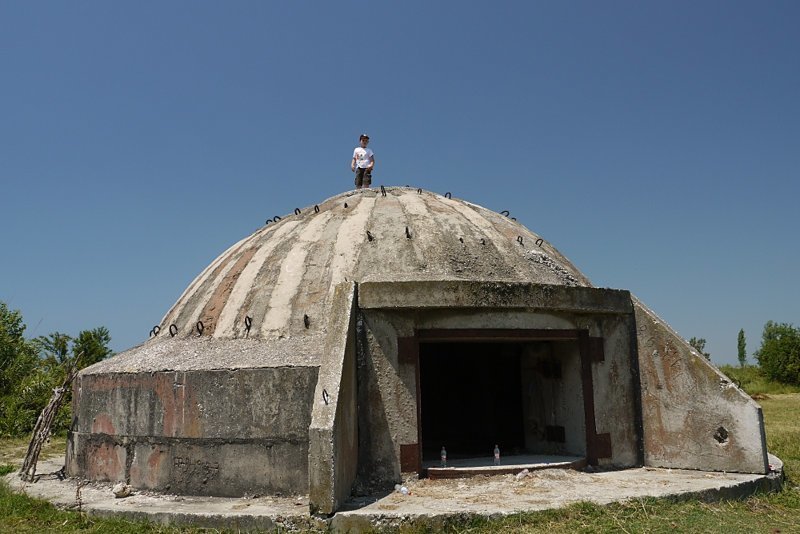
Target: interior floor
521, 461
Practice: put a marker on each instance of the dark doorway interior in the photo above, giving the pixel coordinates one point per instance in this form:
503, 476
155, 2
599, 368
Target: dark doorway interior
471, 399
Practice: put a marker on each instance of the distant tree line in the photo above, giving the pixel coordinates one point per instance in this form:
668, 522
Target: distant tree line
31, 368
779, 354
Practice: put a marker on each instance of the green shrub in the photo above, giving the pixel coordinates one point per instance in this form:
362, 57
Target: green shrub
779, 355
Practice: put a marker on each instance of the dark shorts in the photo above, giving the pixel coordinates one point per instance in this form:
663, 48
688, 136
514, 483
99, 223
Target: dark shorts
363, 177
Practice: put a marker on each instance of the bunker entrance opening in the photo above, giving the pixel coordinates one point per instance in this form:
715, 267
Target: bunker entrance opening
526, 397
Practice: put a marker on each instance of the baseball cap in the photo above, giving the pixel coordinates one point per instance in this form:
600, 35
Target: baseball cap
363, 136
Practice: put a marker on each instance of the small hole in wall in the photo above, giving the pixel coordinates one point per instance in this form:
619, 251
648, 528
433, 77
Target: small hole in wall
721, 435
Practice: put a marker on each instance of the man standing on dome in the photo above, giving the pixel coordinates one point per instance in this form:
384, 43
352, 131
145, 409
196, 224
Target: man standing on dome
363, 163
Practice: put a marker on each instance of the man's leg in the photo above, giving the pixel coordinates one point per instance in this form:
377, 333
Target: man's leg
367, 180
359, 177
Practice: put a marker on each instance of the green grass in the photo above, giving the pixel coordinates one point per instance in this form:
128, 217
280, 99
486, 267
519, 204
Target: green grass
771, 513
751, 379
20, 513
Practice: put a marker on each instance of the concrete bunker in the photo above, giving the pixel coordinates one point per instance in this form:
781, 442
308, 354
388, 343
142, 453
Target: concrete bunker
343, 344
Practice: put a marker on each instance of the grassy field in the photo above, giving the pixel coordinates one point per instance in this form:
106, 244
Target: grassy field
775, 513
752, 380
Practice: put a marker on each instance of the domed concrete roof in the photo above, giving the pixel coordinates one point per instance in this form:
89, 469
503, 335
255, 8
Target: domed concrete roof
283, 275
280, 280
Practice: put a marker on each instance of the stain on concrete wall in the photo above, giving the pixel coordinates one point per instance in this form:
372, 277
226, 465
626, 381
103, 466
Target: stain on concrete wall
552, 398
206, 433
685, 403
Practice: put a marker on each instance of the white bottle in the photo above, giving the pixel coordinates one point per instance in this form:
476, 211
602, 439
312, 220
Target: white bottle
443, 457
496, 455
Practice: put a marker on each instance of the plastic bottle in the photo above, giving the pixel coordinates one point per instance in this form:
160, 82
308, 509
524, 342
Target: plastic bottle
443, 457
496, 455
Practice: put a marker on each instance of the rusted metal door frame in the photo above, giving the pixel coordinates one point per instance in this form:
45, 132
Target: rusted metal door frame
590, 349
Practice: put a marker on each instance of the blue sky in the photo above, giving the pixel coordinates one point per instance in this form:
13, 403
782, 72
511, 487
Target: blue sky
657, 145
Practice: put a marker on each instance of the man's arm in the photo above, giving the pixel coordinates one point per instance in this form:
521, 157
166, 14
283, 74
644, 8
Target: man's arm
371, 163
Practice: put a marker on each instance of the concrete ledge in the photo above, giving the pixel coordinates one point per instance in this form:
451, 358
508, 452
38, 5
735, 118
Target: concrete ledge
468, 294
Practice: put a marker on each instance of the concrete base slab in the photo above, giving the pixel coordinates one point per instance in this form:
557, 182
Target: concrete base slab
96, 498
429, 501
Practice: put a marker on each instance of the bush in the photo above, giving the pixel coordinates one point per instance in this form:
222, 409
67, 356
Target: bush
779, 355
31, 369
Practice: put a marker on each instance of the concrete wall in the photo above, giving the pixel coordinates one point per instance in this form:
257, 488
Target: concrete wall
224, 433
333, 434
616, 386
552, 397
694, 417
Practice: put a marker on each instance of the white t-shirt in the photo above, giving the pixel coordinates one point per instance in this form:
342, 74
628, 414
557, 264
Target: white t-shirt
363, 157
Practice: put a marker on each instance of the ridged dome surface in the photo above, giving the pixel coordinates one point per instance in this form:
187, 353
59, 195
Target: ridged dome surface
279, 280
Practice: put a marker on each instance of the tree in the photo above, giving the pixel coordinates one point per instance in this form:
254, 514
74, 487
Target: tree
18, 363
91, 346
742, 344
699, 344
29, 370
17, 355
779, 355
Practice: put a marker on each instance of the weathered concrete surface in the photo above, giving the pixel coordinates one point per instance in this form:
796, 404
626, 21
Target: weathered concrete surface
430, 503
287, 269
199, 433
333, 434
491, 294
553, 398
694, 417
253, 513
195, 353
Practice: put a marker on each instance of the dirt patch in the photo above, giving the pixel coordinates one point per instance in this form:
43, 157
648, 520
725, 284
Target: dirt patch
12, 450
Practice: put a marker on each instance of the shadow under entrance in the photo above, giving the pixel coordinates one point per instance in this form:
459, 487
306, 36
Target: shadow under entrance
471, 399
524, 396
